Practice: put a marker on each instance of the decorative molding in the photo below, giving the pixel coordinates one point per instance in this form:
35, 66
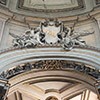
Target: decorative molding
18, 48
51, 65
50, 32
80, 6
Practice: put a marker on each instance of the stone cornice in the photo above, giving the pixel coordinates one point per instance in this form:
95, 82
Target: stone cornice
48, 46
17, 56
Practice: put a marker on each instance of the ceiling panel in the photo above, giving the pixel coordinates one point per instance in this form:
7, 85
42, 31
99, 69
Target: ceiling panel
50, 5
51, 85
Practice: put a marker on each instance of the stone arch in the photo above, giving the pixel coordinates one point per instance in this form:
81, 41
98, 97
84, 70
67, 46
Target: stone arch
87, 56
17, 56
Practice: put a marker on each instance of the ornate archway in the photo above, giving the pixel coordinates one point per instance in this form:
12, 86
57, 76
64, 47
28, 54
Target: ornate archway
51, 62
63, 59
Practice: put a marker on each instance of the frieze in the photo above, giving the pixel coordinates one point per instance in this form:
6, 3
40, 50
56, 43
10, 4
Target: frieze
51, 65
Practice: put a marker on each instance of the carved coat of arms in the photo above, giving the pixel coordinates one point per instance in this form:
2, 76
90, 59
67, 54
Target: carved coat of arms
50, 32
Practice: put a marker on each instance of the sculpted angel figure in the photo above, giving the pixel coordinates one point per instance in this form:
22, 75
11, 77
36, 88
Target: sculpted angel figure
17, 41
29, 39
26, 40
73, 38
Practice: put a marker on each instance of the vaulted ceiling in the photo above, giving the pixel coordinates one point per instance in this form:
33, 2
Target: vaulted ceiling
40, 84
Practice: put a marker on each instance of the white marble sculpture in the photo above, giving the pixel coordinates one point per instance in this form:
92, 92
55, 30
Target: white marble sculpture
50, 32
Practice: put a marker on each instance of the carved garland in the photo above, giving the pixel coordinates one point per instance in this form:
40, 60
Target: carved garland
51, 65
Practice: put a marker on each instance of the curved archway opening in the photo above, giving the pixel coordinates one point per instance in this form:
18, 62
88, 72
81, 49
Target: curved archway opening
62, 79
28, 69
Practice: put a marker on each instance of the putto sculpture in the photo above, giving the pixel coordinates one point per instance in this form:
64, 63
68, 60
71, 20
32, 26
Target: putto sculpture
50, 32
